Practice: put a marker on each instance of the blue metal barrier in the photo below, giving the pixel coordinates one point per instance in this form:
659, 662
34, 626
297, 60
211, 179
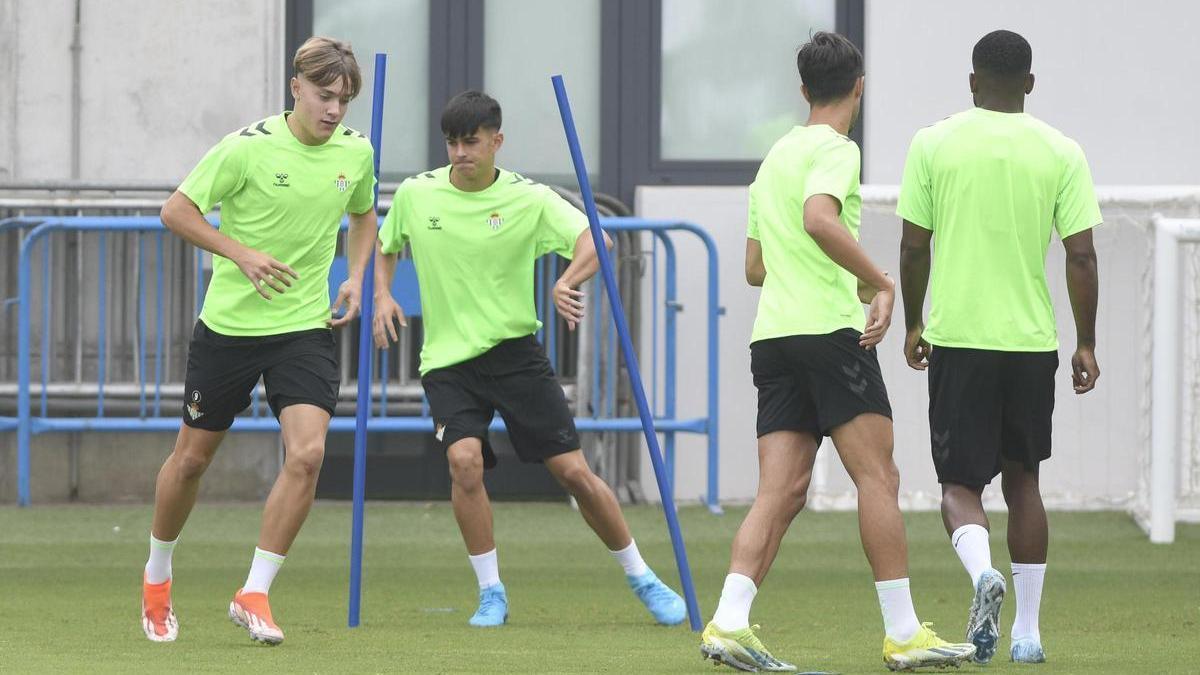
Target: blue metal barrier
603, 391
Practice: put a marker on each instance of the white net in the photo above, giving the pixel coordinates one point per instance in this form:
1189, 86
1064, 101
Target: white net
1101, 440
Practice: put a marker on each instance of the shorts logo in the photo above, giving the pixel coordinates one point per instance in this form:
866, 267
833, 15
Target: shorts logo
281, 180
193, 408
495, 221
440, 434
341, 182
941, 446
854, 373
435, 223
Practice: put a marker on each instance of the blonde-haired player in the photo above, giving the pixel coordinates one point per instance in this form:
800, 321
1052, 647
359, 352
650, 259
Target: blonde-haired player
284, 184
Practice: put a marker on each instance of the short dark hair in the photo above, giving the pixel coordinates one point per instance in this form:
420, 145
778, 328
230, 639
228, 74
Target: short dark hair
829, 65
1003, 54
469, 111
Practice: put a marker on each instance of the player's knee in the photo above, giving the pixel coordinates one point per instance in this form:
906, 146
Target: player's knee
883, 478
305, 460
191, 464
1016, 484
797, 497
466, 466
576, 478
795, 500
783, 501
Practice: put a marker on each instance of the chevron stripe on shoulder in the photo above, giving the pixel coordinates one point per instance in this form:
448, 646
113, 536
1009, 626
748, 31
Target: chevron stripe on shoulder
518, 179
259, 128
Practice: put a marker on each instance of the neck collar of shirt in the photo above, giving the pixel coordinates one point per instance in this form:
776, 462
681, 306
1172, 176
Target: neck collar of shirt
823, 127
283, 117
986, 112
498, 172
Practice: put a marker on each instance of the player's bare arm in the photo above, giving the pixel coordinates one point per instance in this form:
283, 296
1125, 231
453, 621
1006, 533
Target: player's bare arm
914, 281
584, 263
821, 222
756, 272
363, 228
181, 216
388, 314
1083, 283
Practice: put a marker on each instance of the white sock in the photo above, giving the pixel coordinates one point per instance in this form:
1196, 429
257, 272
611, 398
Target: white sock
1028, 577
974, 550
895, 601
158, 567
487, 568
631, 560
263, 569
733, 612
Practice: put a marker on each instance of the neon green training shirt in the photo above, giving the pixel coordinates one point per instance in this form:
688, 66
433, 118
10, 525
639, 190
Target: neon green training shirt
285, 199
474, 253
991, 186
804, 293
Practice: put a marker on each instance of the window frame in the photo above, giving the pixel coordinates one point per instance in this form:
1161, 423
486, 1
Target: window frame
630, 86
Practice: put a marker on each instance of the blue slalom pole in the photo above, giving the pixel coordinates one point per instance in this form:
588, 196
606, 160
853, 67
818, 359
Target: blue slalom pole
363, 409
631, 362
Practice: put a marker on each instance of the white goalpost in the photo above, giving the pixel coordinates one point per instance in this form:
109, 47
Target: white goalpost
1167, 465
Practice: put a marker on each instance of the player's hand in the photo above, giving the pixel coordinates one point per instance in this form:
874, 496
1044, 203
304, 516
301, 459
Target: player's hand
387, 315
350, 297
916, 349
265, 272
879, 318
569, 303
1084, 370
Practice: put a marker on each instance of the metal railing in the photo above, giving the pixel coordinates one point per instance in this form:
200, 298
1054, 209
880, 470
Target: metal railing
135, 389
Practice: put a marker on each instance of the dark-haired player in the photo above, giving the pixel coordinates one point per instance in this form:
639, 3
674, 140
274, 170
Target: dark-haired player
813, 361
991, 185
475, 231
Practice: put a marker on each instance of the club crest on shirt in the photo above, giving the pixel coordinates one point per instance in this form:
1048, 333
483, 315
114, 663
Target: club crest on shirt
495, 221
341, 182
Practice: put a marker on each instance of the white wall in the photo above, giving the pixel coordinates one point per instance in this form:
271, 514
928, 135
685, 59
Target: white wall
1119, 77
160, 83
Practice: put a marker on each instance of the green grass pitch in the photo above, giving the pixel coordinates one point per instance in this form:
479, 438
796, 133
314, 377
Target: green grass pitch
69, 588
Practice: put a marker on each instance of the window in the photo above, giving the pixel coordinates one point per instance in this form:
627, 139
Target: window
736, 54
524, 44
684, 92
399, 28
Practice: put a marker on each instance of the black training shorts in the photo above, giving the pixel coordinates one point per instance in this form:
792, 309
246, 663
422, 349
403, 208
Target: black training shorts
222, 371
815, 383
985, 405
515, 379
